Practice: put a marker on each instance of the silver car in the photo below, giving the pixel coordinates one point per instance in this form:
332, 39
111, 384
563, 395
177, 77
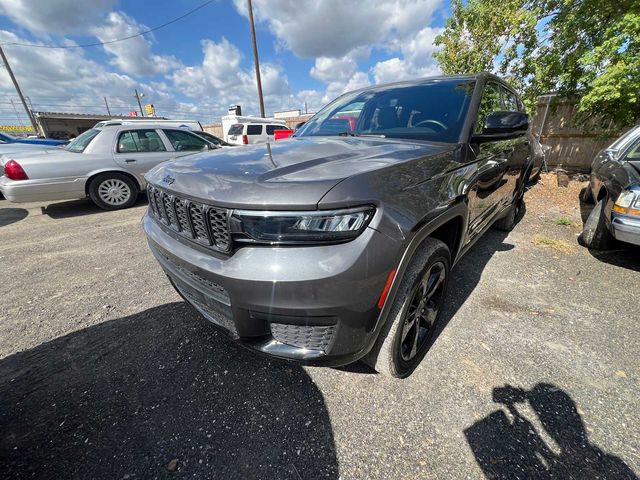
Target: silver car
107, 164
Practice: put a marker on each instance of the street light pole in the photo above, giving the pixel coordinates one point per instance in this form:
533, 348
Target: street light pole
107, 105
139, 104
255, 58
15, 84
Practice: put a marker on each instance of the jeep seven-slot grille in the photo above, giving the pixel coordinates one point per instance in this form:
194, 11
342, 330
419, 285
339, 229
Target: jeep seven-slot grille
196, 221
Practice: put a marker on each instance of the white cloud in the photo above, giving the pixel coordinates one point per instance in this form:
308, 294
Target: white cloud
45, 17
133, 56
220, 81
334, 28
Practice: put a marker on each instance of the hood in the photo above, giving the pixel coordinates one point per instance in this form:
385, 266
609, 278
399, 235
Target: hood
293, 174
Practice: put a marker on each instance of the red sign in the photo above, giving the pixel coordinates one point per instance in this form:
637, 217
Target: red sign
133, 113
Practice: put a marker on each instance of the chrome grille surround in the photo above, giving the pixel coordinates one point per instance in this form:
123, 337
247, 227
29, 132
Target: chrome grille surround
199, 222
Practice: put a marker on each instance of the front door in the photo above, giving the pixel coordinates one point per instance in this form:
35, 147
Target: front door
490, 191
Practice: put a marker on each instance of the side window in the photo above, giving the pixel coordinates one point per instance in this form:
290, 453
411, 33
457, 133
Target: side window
182, 141
633, 153
140, 141
273, 128
510, 101
254, 129
491, 102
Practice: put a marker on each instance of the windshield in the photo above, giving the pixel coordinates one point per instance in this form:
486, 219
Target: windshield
433, 111
78, 144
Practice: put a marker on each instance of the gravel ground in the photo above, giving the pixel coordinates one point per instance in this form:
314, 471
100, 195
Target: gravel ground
105, 373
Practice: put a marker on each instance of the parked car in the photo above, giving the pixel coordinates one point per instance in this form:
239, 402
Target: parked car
248, 133
282, 134
331, 247
614, 186
194, 125
107, 164
31, 141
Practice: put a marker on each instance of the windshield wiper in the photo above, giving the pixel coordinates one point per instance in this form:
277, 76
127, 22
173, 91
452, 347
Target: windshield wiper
348, 133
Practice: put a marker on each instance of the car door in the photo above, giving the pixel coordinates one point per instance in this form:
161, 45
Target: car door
490, 190
255, 133
519, 159
184, 142
139, 150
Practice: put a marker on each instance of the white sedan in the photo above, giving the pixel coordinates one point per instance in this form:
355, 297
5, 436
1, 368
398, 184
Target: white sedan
107, 164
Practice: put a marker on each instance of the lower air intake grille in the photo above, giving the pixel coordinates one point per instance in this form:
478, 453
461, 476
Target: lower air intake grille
304, 336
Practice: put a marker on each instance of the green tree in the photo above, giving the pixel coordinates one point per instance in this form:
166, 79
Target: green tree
584, 49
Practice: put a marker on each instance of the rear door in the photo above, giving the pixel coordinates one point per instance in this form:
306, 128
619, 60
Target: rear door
491, 188
271, 129
184, 142
234, 135
255, 133
139, 150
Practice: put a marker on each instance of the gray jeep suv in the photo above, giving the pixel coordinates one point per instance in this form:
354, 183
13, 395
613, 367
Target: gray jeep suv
336, 244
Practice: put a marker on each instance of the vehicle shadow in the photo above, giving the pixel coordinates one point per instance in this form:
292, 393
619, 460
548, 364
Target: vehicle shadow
79, 208
157, 394
507, 444
12, 215
622, 254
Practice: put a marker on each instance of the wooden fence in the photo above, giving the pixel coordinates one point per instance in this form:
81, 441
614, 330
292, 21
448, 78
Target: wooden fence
571, 148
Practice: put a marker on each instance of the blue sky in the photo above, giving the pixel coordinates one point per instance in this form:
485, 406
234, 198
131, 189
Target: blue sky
310, 51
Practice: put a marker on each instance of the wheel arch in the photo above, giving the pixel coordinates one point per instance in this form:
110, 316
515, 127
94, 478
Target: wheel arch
449, 227
93, 175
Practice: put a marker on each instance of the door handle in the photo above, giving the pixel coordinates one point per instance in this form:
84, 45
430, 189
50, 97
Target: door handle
130, 160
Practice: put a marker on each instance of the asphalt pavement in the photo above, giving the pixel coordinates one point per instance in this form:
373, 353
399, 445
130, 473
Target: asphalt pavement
106, 373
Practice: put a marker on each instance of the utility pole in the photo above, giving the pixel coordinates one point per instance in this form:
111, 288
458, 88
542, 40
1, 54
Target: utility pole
139, 104
15, 84
255, 58
107, 105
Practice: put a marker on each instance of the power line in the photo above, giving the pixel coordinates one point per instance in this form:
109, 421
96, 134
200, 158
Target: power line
97, 44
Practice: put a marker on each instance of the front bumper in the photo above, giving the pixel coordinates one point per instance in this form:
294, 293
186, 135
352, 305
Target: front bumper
313, 304
625, 228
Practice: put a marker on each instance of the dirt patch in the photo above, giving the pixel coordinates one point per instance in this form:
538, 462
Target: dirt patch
557, 202
553, 244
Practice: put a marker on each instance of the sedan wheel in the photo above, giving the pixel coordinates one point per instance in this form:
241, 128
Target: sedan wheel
114, 192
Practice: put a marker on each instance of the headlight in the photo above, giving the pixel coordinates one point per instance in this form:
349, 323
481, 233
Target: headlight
628, 202
302, 227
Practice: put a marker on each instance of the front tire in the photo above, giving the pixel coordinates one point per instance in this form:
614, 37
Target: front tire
595, 233
408, 333
113, 191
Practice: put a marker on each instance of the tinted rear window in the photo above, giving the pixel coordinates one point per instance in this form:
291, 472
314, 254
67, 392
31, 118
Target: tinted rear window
273, 128
236, 129
254, 129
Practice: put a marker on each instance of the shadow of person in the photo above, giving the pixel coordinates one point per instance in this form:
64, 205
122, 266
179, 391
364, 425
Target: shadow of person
507, 445
12, 215
129, 397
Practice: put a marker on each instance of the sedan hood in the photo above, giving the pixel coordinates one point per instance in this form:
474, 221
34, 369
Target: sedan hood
292, 174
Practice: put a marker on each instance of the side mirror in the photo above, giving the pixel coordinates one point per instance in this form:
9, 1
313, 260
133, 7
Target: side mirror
502, 126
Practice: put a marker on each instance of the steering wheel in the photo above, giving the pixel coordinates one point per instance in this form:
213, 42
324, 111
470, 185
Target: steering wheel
436, 122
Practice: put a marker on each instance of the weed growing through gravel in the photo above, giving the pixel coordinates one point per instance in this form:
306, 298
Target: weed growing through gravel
562, 221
